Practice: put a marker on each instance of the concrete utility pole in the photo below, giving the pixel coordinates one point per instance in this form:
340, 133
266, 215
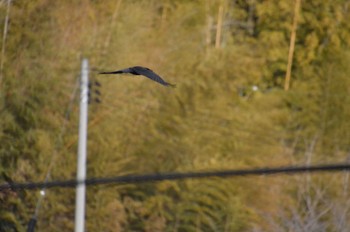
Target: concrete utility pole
81, 164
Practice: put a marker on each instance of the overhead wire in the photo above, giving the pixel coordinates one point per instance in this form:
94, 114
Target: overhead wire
176, 176
32, 221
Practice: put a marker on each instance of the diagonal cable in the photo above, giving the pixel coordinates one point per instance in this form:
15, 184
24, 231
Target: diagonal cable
178, 176
55, 152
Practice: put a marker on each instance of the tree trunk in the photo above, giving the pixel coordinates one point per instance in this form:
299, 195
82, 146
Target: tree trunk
292, 44
219, 26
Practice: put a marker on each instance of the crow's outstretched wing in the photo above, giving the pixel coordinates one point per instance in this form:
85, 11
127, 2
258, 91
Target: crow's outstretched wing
153, 76
139, 70
127, 70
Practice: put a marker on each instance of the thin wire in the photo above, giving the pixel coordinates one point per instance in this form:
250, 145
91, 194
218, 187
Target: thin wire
59, 143
176, 176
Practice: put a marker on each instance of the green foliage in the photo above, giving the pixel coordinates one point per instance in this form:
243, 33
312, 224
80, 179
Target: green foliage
228, 111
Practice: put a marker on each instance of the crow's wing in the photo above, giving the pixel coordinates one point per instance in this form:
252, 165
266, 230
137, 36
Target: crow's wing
127, 70
153, 76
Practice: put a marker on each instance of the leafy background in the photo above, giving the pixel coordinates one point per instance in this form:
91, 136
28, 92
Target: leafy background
213, 120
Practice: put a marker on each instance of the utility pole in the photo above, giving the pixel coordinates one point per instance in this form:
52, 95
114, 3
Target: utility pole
81, 164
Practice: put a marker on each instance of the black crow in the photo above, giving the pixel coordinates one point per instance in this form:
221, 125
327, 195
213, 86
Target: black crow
138, 70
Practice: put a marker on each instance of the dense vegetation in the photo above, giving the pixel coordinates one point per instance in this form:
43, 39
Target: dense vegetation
229, 110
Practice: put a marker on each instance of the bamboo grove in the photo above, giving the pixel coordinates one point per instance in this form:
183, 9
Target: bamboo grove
259, 84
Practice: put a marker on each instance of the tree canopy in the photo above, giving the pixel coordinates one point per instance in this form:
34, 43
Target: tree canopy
228, 60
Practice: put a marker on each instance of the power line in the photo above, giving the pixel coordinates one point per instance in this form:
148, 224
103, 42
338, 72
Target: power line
176, 176
32, 221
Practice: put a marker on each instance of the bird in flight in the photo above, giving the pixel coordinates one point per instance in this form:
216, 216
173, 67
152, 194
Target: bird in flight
138, 70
